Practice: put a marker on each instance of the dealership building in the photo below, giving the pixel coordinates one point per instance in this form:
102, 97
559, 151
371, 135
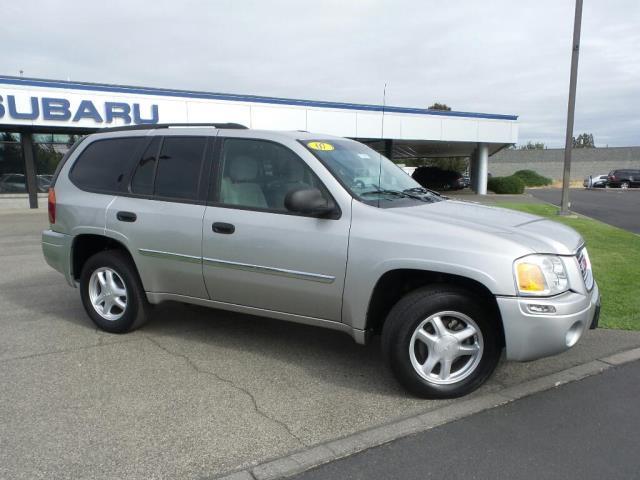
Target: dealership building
40, 120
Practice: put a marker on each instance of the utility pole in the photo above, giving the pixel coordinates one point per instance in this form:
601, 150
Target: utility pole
568, 146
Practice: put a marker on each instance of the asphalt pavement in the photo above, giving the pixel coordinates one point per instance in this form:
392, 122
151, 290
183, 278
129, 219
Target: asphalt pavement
617, 207
195, 393
583, 430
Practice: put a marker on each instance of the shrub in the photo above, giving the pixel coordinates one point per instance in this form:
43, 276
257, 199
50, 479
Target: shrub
533, 179
510, 184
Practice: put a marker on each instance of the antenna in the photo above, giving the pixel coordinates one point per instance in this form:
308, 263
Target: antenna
384, 103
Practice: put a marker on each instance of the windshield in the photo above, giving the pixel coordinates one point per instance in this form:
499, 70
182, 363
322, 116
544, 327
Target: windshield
368, 175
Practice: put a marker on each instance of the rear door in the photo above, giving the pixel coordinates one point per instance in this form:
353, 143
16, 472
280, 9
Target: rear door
256, 253
159, 216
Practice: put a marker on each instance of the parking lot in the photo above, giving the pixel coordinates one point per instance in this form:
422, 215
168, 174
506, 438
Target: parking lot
195, 393
617, 207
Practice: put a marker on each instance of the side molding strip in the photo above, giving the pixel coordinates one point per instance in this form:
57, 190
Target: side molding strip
169, 255
283, 272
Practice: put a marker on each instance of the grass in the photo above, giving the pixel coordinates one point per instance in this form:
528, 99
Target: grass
615, 255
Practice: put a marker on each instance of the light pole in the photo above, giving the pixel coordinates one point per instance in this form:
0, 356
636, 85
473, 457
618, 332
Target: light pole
568, 146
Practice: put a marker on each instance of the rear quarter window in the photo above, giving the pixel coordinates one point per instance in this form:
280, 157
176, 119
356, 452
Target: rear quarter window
105, 164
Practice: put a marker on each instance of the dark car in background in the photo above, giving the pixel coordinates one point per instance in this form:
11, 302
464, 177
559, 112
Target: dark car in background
436, 178
624, 178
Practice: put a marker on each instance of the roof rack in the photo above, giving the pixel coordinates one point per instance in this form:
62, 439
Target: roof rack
153, 126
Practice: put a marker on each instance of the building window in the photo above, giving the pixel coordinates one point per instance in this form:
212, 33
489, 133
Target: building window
12, 177
48, 150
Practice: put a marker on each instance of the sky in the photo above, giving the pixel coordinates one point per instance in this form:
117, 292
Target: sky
500, 56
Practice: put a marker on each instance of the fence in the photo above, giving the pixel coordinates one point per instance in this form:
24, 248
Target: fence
549, 162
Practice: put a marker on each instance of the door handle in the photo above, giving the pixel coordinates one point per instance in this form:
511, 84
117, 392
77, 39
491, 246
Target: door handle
126, 216
220, 227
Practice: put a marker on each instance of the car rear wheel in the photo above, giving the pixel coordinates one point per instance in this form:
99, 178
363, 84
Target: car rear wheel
624, 185
441, 342
112, 293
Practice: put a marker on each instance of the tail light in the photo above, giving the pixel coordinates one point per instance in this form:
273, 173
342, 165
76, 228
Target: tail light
52, 206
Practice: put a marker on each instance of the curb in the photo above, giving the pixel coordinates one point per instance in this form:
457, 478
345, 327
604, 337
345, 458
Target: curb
315, 456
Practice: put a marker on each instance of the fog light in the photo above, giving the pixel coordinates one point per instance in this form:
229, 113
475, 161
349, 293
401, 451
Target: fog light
573, 335
535, 308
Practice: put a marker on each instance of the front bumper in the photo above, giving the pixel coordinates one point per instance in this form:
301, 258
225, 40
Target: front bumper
530, 336
56, 248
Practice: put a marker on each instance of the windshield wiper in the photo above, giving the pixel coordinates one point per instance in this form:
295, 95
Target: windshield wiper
424, 190
396, 193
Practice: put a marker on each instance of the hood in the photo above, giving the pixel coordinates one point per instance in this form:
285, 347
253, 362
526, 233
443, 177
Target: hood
539, 234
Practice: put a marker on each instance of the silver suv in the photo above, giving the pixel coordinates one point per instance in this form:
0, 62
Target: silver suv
317, 230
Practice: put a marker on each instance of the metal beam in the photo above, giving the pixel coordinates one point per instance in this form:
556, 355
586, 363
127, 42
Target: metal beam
388, 149
26, 140
482, 168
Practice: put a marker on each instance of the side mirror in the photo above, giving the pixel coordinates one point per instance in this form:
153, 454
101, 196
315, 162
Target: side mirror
309, 201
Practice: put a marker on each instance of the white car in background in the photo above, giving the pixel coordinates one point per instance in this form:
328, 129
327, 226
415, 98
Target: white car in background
595, 181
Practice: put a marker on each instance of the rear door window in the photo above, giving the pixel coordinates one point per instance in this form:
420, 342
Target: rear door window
179, 168
142, 180
104, 164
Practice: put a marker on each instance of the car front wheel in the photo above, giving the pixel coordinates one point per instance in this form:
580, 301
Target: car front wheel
441, 342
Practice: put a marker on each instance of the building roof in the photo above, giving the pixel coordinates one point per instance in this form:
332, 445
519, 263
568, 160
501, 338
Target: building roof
166, 92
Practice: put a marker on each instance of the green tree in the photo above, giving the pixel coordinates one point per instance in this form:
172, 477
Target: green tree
47, 158
584, 140
440, 106
532, 146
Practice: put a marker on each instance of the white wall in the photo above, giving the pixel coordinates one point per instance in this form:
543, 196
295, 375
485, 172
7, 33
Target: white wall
335, 121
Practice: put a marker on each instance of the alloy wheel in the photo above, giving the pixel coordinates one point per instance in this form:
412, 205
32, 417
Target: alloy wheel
446, 347
108, 293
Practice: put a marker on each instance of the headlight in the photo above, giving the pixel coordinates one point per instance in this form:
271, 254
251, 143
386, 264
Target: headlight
540, 275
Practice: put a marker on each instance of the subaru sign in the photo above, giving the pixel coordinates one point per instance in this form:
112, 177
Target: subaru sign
60, 109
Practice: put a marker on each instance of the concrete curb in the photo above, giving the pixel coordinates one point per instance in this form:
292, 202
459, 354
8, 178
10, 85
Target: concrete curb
317, 455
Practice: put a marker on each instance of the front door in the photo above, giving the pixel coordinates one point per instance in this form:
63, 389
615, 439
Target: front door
255, 252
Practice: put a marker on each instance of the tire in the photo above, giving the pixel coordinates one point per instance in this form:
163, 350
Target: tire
125, 306
410, 337
624, 185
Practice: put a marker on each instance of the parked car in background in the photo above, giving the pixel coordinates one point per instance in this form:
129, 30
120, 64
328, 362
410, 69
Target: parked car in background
438, 179
408, 170
466, 181
595, 181
12, 183
625, 178
16, 183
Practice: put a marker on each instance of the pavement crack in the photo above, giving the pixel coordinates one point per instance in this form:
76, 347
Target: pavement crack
233, 384
63, 351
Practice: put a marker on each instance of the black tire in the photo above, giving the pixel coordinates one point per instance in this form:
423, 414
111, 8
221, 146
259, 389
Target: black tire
408, 314
137, 307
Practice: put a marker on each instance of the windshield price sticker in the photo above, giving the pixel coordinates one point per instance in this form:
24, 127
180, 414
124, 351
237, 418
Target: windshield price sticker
320, 146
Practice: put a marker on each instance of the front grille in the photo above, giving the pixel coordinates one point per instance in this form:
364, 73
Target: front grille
585, 267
